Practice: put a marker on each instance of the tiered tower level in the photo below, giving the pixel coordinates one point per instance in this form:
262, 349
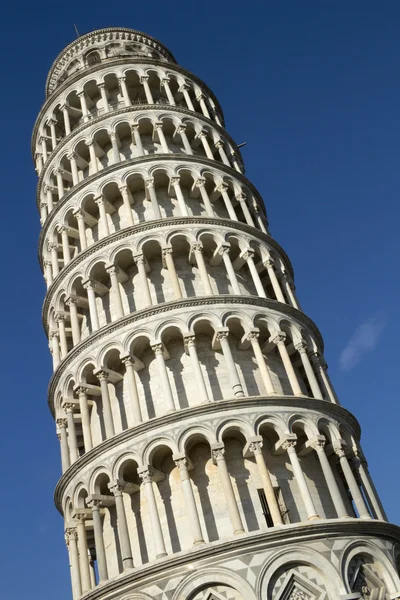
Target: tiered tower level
205, 455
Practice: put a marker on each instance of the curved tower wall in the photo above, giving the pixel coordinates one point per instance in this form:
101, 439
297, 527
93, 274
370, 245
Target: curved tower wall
205, 454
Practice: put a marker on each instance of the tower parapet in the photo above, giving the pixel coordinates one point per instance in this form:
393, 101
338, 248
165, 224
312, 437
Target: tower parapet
205, 454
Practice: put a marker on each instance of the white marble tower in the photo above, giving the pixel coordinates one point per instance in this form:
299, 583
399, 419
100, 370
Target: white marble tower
205, 455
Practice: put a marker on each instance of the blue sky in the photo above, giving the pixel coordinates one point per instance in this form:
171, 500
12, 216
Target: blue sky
313, 88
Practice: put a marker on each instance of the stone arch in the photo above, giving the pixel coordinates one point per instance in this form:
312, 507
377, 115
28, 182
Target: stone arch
196, 582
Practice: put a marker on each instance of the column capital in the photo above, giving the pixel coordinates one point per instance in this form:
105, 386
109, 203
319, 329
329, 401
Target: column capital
282, 275
146, 474
288, 443
222, 188
269, 263
71, 300
121, 78
218, 452
241, 197
182, 463
69, 406
89, 284
149, 182
200, 182
138, 259
339, 448
175, 180
158, 125
135, 126
101, 374
247, 254
255, 447
72, 156
144, 78
80, 388
60, 316
197, 248
112, 269
317, 443
221, 335
112, 135
318, 360
254, 334
101, 85
189, 340
219, 144
184, 87
279, 336
62, 229
70, 534
157, 348
202, 134
61, 423
165, 80
78, 213
123, 188
301, 347
181, 128
166, 250
116, 488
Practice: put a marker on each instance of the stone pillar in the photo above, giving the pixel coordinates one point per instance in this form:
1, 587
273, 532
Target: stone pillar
321, 368
102, 376
222, 153
92, 155
49, 197
223, 188
361, 466
53, 248
90, 287
48, 272
289, 446
191, 509
158, 127
146, 475
103, 93
99, 540
200, 183
43, 213
269, 264
165, 83
224, 251
279, 340
113, 271
248, 256
264, 371
60, 184
218, 455
115, 149
67, 123
207, 149
286, 283
72, 302
127, 204
301, 347
153, 198
190, 347
133, 392
124, 90
351, 481
158, 350
71, 538
123, 533
197, 250
52, 125
242, 199
256, 448
144, 284
55, 349
169, 263
182, 132
65, 460
184, 89
222, 338
318, 444
84, 108
44, 148
74, 168
179, 196
137, 139
65, 245
60, 320
82, 391
145, 81
83, 554
78, 214
203, 106
103, 221
72, 441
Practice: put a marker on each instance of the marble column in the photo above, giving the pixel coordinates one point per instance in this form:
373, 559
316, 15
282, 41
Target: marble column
103, 221
145, 81
318, 444
223, 189
301, 347
123, 532
165, 385
207, 148
132, 388
90, 287
82, 392
165, 84
361, 467
71, 538
218, 455
153, 198
169, 263
102, 376
181, 130
248, 256
127, 204
242, 199
200, 183
163, 142
255, 447
72, 441
113, 271
289, 446
124, 90
269, 265
72, 303
62, 428
222, 153
99, 540
146, 475
193, 517
224, 251
197, 250
83, 554
279, 340
190, 346
261, 363
178, 192
144, 283
236, 386
351, 481
136, 138
78, 214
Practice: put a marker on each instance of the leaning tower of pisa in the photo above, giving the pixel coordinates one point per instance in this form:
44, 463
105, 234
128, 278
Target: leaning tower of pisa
205, 454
